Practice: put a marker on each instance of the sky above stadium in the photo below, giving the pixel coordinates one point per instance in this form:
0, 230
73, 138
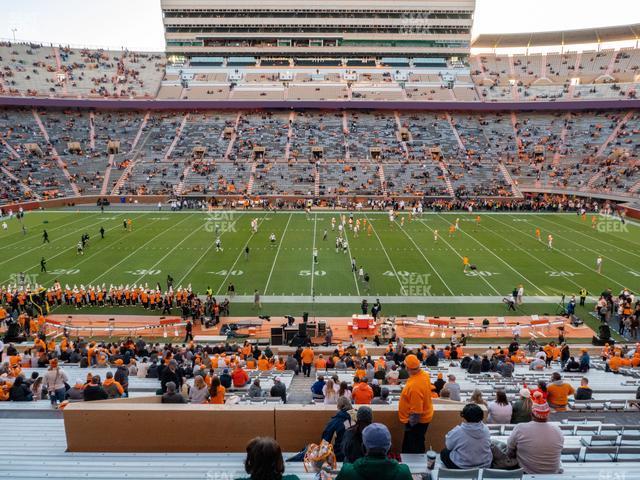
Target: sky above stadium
137, 24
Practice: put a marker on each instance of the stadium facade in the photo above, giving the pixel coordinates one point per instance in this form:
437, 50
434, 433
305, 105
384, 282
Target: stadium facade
318, 33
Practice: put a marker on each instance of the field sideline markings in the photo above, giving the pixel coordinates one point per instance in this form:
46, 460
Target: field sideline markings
109, 245
529, 253
47, 259
458, 254
31, 250
277, 253
428, 262
313, 264
590, 269
623, 265
22, 236
402, 289
502, 260
137, 250
355, 279
63, 251
239, 254
597, 239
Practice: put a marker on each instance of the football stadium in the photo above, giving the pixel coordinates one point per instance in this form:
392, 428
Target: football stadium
321, 240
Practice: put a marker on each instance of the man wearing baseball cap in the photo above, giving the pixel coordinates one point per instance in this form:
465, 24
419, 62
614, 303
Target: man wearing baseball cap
537, 444
376, 439
415, 409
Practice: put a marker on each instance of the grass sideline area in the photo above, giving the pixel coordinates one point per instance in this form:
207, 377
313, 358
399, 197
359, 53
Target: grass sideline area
403, 260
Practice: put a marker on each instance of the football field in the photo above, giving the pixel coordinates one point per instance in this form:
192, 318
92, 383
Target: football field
403, 260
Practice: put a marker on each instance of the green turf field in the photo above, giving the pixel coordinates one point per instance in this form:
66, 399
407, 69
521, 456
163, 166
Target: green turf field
405, 264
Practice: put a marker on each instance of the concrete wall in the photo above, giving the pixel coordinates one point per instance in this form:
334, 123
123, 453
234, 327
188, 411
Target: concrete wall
146, 425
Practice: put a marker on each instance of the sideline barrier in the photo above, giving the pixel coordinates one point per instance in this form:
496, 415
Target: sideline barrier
219, 428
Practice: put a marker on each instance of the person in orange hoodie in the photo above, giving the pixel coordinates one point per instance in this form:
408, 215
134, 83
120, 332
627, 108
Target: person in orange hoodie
615, 362
558, 392
263, 363
415, 409
362, 393
112, 387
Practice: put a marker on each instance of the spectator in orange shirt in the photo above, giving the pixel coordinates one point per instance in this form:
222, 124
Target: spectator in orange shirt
307, 360
362, 393
415, 408
217, 391
320, 363
263, 363
558, 392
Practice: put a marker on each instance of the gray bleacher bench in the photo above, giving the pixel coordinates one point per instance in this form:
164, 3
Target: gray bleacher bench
599, 440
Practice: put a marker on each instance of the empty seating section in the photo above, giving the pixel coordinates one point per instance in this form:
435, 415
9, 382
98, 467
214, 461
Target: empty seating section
373, 136
417, 179
317, 92
488, 136
429, 130
155, 171
214, 151
261, 130
280, 178
318, 130
33, 69
47, 71
28, 157
349, 178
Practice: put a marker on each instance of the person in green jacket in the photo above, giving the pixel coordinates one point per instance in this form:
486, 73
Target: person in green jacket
264, 461
375, 464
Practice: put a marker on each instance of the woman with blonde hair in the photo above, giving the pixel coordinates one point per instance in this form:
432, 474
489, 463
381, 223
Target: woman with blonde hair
36, 388
476, 397
199, 393
330, 393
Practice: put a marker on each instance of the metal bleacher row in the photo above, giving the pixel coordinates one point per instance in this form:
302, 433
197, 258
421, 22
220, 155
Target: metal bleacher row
36, 449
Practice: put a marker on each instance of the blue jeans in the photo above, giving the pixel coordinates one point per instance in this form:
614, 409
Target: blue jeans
57, 396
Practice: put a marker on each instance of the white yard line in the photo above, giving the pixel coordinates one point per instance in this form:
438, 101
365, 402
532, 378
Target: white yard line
136, 250
402, 289
313, 264
355, 279
31, 251
169, 253
624, 265
101, 251
428, 262
529, 253
49, 230
277, 253
441, 237
589, 268
596, 239
506, 263
239, 255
